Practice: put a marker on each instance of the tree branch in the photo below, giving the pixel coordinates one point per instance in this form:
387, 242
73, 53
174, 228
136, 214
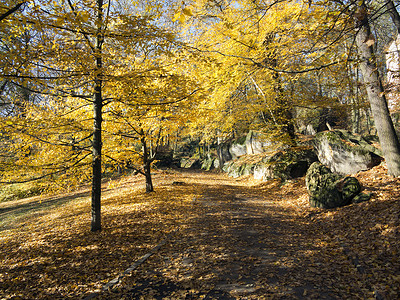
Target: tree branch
11, 11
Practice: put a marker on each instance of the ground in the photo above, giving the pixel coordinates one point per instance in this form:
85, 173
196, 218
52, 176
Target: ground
217, 237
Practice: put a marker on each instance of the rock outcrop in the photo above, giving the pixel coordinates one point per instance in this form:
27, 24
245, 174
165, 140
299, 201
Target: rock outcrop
345, 153
252, 143
285, 164
330, 190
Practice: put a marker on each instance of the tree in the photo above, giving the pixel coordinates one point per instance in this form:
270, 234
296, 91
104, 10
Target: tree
148, 110
83, 50
262, 54
376, 94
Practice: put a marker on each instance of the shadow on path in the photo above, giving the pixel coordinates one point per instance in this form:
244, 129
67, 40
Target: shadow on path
236, 244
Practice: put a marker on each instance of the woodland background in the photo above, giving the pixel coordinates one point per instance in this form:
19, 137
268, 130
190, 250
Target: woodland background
94, 89
91, 87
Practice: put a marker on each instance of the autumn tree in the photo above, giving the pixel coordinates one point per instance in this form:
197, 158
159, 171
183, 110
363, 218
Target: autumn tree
376, 94
261, 53
7, 10
83, 50
147, 111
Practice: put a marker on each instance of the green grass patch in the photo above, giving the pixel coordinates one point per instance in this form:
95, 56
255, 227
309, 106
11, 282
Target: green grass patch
20, 191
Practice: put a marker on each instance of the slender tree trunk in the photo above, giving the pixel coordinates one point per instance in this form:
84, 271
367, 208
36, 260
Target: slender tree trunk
283, 112
97, 115
369, 70
149, 181
146, 165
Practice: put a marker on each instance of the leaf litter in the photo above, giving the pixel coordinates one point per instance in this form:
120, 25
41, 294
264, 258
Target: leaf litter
234, 239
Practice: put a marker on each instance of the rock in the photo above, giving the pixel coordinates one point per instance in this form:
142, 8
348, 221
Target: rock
287, 164
344, 152
330, 190
255, 143
208, 163
238, 168
190, 163
361, 197
237, 150
223, 154
350, 188
216, 164
291, 163
322, 187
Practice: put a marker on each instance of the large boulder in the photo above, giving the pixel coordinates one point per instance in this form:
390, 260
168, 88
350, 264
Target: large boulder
208, 163
190, 163
330, 190
287, 164
223, 154
344, 152
252, 143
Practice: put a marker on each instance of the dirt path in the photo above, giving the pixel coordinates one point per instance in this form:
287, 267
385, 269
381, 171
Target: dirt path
227, 239
236, 243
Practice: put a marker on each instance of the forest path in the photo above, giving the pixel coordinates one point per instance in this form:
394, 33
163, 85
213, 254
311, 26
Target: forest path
241, 242
220, 237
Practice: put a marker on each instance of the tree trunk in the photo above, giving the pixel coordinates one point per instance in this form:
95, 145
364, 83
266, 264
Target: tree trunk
146, 165
97, 115
149, 181
394, 15
369, 70
283, 114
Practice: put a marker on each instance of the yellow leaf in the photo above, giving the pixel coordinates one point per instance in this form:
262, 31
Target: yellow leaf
182, 18
176, 17
84, 16
187, 11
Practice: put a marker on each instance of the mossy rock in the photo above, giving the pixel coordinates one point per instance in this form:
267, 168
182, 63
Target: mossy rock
288, 164
190, 163
208, 163
351, 187
361, 197
344, 152
322, 187
330, 190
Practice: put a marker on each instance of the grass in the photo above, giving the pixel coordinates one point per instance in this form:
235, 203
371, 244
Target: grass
19, 191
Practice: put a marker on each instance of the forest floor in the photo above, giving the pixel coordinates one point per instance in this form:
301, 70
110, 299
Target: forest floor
221, 238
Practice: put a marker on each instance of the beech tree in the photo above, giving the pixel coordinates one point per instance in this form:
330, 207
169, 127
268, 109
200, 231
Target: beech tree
261, 53
376, 94
84, 48
147, 111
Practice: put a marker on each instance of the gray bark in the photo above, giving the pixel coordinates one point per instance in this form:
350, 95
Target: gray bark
369, 70
394, 15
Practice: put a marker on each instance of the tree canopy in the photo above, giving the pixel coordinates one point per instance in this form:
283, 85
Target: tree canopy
88, 87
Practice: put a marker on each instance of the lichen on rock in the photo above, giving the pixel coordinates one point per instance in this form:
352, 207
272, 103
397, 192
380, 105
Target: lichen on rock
330, 190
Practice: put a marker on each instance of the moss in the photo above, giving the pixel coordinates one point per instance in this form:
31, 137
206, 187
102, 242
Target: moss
241, 140
345, 140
